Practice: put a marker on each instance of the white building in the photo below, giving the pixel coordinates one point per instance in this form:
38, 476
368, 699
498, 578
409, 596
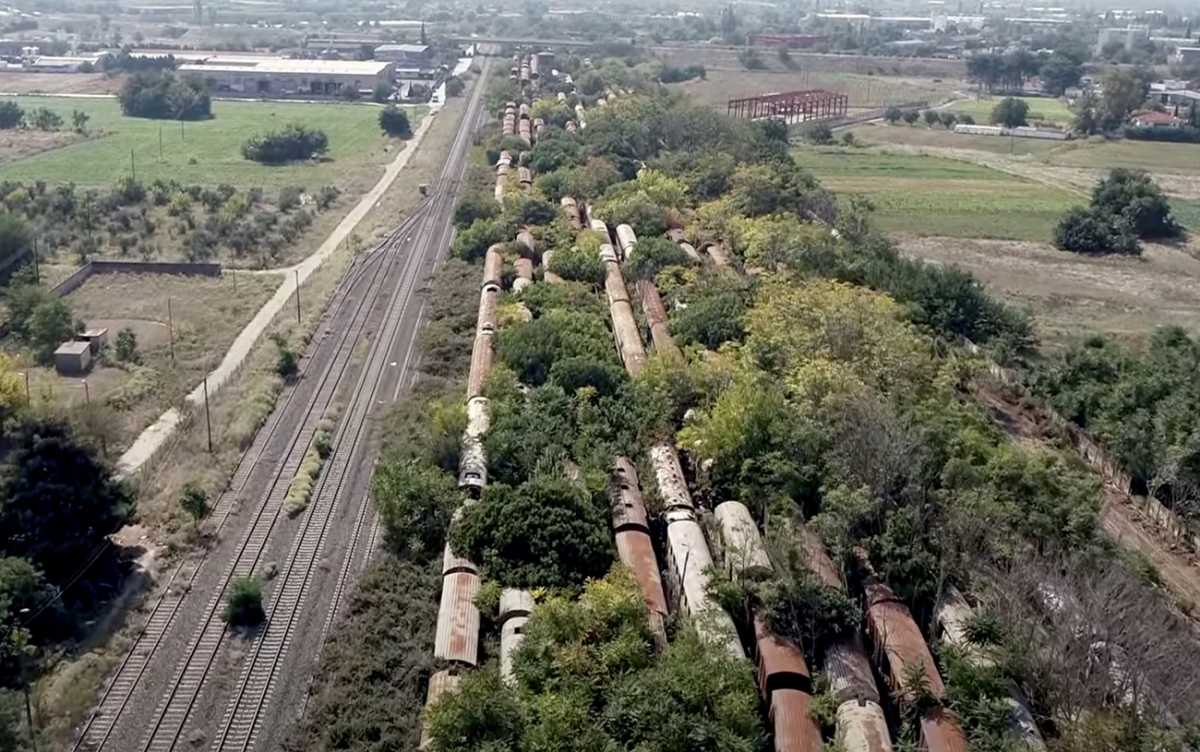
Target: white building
1128, 37
278, 76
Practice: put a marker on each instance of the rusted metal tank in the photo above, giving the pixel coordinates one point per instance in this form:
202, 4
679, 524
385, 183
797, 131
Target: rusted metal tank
626, 240
740, 540
625, 329
481, 364
452, 562
572, 127
525, 176
538, 125
779, 662
524, 132
632, 533
493, 266
719, 255
505, 159
614, 282
485, 321
656, 316
441, 684
525, 238
597, 225
792, 726
523, 111
501, 184
457, 637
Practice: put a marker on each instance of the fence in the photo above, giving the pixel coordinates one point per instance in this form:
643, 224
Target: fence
103, 266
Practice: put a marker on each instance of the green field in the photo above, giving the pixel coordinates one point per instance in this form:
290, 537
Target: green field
1187, 213
209, 151
933, 196
1040, 108
1154, 156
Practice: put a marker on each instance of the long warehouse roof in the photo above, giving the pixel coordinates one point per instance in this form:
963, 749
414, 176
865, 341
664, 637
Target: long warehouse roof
311, 67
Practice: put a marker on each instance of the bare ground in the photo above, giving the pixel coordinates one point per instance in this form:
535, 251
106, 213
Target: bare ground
1070, 295
59, 83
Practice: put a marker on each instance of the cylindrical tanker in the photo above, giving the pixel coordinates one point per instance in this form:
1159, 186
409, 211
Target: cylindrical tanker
515, 608
525, 176
786, 686
493, 266
680, 238
720, 256
668, 475
501, 184
625, 329
656, 316
903, 646
632, 531
571, 210
741, 541
524, 278
690, 562
571, 126
549, 276
626, 240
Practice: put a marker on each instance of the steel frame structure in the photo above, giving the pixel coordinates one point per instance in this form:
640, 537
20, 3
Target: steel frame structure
791, 106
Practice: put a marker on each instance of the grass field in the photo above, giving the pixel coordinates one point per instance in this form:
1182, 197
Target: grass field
207, 152
1187, 213
925, 196
1040, 108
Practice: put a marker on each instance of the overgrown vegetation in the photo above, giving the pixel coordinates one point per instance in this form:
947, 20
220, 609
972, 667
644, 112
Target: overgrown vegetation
291, 143
166, 96
1127, 206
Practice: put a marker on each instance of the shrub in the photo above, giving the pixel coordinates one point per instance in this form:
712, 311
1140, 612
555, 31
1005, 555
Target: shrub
382, 93
163, 95
126, 346
1186, 134
394, 122
1135, 198
911, 117
11, 114
287, 365
893, 114
578, 263
931, 117
1010, 112
568, 543
194, 501
966, 120
243, 604
949, 119
818, 133
532, 348
44, 119
473, 242
652, 255
292, 143
454, 86
1094, 232
415, 502
472, 206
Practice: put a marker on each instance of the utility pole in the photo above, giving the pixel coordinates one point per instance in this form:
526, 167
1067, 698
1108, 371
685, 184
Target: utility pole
87, 393
160, 148
171, 329
298, 296
132, 165
207, 415
28, 399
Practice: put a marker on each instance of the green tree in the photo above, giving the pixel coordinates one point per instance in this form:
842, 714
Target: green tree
50, 324
287, 364
11, 114
58, 503
1010, 112
1134, 197
415, 503
472, 206
569, 543
15, 235
44, 119
1124, 92
931, 117
194, 501
243, 603
531, 349
1060, 73
382, 93
79, 121
911, 117
893, 114
126, 346
394, 122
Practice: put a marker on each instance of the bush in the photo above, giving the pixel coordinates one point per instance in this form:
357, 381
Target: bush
287, 364
50, 325
472, 206
911, 117
932, 118
292, 143
125, 348
1094, 232
818, 133
893, 114
568, 544
473, 242
949, 119
15, 235
44, 119
531, 349
455, 86
11, 114
415, 501
194, 501
673, 75
164, 96
966, 120
1133, 197
1185, 135
243, 603
1010, 112
394, 122
652, 255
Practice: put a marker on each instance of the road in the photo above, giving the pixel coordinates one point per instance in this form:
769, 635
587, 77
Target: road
188, 681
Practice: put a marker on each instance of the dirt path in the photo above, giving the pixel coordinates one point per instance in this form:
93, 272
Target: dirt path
1130, 528
153, 437
1120, 519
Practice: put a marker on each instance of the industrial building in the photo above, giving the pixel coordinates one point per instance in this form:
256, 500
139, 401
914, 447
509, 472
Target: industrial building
1128, 37
275, 77
73, 358
406, 54
1187, 55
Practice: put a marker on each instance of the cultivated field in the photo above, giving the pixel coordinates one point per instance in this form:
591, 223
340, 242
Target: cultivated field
208, 314
923, 195
1040, 108
58, 83
864, 91
1071, 296
209, 152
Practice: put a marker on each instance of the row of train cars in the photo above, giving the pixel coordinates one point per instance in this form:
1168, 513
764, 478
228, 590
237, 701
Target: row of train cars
784, 679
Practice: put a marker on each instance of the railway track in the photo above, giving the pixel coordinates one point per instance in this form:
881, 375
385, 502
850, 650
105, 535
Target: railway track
300, 402
349, 466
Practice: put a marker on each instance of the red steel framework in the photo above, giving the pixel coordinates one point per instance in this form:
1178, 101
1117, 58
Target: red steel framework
791, 106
